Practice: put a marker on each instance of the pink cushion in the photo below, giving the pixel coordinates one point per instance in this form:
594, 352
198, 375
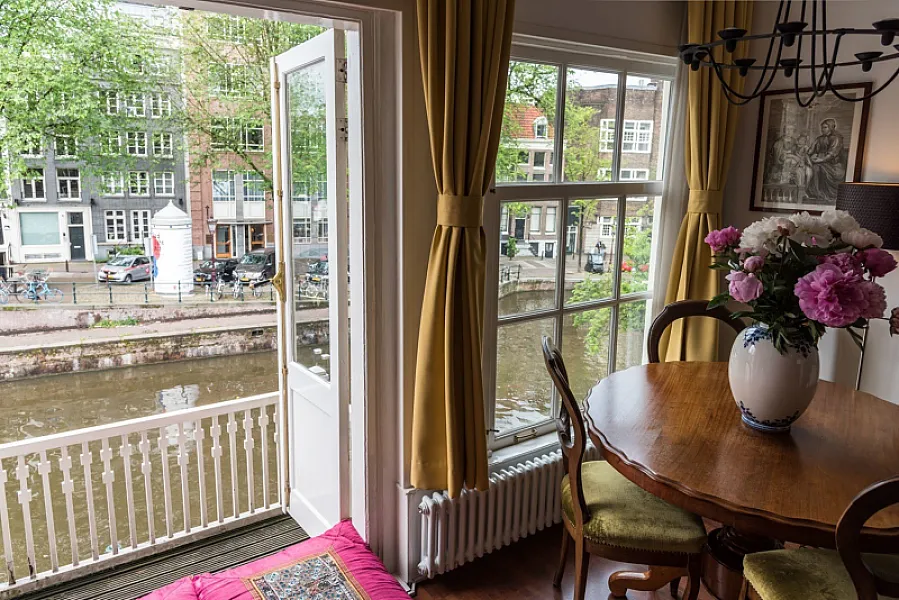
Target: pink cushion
340, 548
183, 589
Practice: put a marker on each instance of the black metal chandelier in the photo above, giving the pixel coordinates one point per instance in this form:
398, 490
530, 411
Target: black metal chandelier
789, 32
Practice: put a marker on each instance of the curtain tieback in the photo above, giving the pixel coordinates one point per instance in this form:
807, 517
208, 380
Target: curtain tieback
705, 201
459, 211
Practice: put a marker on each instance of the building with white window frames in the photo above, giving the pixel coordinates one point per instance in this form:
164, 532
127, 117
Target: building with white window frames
61, 204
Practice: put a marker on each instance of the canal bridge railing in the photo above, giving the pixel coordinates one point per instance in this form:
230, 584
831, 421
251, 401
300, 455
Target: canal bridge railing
76, 502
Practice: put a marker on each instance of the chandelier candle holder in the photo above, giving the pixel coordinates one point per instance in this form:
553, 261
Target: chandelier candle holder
813, 73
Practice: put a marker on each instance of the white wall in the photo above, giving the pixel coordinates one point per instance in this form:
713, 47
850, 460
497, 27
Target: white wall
839, 356
652, 26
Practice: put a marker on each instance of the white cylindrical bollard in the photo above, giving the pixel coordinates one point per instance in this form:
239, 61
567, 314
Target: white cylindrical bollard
172, 251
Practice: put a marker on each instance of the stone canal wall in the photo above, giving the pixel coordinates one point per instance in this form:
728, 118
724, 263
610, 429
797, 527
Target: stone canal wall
16, 319
17, 363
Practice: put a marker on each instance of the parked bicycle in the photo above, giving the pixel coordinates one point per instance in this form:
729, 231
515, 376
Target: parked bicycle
314, 290
215, 291
37, 289
237, 291
258, 287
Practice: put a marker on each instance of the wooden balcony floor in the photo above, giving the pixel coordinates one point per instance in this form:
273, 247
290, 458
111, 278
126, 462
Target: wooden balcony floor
213, 554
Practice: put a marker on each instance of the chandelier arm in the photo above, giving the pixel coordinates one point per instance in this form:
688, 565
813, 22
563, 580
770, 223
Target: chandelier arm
833, 62
758, 85
737, 98
872, 94
759, 88
824, 76
730, 94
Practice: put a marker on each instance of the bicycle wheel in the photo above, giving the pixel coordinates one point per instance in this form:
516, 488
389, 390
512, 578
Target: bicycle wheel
54, 295
257, 291
4, 296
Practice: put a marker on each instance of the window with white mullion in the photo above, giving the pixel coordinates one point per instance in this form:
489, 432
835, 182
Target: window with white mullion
585, 279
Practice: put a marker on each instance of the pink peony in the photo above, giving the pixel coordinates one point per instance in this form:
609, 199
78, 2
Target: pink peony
878, 262
848, 263
876, 299
721, 239
744, 287
753, 264
831, 297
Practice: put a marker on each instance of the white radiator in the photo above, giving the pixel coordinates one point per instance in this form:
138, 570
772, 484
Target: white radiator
522, 500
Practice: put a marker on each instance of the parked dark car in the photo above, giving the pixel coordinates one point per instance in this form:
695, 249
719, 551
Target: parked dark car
258, 265
595, 263
224, 270
317, 271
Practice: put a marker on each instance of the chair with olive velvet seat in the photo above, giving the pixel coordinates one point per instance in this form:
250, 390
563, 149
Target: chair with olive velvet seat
608, 515
844, 574
684, 309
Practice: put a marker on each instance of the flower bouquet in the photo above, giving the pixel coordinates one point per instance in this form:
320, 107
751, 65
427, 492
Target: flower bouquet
798, 275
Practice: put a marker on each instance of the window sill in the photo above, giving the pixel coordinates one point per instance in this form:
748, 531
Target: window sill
31, 200
69, 200
523, 451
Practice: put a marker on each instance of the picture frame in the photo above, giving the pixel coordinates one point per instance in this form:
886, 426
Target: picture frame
803, 154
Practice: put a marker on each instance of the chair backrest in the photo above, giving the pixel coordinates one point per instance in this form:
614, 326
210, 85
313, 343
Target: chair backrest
571, 430
868, 503
682, 310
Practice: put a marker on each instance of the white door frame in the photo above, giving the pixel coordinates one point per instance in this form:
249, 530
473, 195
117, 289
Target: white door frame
382, 26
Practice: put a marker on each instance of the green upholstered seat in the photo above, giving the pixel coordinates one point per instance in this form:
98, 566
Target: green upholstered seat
809, 573
623, 514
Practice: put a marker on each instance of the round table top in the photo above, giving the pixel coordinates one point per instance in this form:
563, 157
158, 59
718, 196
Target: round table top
674, 430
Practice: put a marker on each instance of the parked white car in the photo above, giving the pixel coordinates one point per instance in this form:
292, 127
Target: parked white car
125, 269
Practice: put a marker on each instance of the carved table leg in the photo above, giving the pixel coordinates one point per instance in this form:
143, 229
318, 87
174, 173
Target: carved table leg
649, 581
722, 560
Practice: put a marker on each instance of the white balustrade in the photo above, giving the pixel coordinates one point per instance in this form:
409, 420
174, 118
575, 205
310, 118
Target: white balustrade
56, 521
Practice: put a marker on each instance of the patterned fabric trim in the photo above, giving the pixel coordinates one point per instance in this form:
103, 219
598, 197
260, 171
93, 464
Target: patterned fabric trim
322, 576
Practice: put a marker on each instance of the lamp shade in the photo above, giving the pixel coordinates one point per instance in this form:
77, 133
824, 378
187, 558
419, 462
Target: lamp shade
875, 206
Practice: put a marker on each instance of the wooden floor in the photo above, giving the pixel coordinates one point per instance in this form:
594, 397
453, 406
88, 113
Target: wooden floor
214, 554
524, 571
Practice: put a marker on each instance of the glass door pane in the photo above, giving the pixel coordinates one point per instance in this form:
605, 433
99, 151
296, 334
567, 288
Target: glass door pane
308, 168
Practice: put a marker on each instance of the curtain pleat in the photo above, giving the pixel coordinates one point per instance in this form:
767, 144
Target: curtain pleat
711, 124
464, 47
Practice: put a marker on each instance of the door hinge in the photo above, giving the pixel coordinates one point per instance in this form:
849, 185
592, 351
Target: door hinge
342, 72
343, 129
278, 281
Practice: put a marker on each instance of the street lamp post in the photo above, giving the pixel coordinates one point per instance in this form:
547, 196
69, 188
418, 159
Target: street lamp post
210, 223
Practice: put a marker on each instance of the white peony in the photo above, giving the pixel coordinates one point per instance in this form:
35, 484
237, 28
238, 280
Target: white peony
839, 220
762, 235
862, 238
810, 230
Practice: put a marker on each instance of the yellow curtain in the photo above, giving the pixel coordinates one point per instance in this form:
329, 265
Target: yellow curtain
464, 46
710, 132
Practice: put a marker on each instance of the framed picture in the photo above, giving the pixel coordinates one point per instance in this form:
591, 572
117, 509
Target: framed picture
803, 154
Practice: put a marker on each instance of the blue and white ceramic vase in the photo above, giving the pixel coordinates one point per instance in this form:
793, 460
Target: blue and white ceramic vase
771, 389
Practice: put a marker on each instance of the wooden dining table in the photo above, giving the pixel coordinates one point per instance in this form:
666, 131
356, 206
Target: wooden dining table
674, 430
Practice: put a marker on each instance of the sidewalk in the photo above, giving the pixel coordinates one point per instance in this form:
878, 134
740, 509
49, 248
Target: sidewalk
97, 334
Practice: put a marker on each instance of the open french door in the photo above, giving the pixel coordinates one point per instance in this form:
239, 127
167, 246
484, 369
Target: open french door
310, 122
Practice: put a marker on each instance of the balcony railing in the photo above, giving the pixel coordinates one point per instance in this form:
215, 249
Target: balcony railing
74, 501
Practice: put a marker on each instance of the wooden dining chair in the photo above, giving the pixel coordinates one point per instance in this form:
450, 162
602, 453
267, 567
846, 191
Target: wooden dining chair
608, 515
843, 574
681, 310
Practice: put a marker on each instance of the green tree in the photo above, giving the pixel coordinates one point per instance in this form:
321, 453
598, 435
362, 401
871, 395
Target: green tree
631, 315
228, 96
512, 248
530, 85
61, 61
